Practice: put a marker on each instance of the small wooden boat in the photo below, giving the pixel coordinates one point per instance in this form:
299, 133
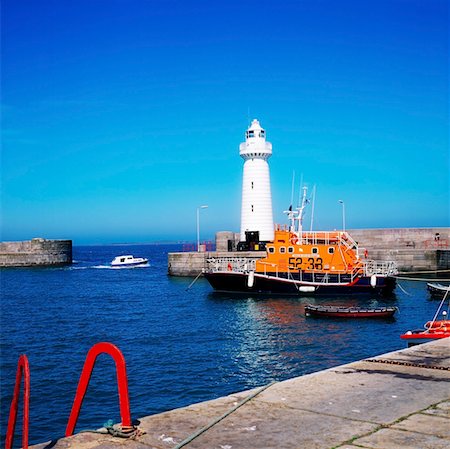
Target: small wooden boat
349, 312
436, 289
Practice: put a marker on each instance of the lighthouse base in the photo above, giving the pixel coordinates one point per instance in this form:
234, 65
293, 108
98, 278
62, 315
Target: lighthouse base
252, 242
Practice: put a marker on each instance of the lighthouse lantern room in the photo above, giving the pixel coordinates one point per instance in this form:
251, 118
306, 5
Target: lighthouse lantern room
256, 213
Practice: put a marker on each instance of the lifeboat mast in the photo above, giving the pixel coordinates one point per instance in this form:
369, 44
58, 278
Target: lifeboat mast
297, 216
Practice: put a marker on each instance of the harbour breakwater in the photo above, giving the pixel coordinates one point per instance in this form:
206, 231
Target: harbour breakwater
35, 252
413, 249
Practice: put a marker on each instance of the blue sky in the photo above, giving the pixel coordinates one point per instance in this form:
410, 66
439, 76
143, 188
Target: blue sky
120, 117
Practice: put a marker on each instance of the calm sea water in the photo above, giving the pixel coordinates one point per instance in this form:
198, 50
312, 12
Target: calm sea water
180, 346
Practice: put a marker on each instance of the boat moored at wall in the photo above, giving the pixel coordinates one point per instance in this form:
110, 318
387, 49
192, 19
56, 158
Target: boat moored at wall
309, 263
332, 311
301, 262
437, 290
434, 329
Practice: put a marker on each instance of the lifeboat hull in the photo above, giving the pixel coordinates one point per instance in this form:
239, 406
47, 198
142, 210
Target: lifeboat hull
262, 284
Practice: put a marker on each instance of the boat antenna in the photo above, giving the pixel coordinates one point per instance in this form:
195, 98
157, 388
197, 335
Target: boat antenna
300, 192
313, 199
290, 212
301, 210
292, 188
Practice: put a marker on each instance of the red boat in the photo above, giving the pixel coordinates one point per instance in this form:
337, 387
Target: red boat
350, 312
434, 329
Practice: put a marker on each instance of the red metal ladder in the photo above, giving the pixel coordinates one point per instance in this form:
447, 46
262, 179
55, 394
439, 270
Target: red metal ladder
124, 402
23, 369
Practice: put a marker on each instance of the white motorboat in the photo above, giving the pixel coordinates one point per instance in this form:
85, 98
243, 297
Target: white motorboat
128, 261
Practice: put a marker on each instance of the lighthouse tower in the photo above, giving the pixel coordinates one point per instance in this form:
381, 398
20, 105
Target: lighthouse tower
256, 212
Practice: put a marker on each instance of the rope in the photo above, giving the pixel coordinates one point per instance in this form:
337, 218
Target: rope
421, 279
196, 434
439, 308
116, 430
415, 365
403, 290
419, 272
405, 275
193, 282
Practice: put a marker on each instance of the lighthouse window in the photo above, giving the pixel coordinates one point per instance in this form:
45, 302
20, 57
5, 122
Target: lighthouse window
261, 134
250, 134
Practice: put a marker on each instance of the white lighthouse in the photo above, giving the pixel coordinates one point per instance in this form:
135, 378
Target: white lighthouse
256, 212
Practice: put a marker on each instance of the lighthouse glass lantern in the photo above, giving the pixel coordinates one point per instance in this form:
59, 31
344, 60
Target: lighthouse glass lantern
256, 212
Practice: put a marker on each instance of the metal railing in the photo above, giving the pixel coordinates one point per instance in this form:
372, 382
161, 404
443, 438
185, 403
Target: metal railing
327, 238
384, 268
237, 264
244, 265
208, 247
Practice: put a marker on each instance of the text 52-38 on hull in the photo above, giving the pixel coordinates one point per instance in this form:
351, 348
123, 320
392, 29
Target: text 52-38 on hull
301, 262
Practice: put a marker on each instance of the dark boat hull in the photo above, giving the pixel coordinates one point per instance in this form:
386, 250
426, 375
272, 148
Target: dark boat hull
239, 283
437, 290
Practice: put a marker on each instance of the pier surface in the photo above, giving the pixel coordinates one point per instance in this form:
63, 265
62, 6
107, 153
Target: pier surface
399, 400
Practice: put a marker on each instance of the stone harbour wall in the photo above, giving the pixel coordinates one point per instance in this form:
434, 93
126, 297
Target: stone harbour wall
35, 252
443, 259
414, 249
192, 263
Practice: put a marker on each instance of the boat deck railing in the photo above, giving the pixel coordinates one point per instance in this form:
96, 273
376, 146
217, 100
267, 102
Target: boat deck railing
383, 268
245, 265
236, 264
326, 238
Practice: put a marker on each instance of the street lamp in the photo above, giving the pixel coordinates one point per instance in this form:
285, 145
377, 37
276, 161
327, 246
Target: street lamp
198, 226
343, 214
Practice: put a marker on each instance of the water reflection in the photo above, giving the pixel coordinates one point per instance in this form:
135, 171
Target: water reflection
273, 340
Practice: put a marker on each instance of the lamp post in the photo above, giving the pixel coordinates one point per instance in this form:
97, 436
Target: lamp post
343, 214
198, 226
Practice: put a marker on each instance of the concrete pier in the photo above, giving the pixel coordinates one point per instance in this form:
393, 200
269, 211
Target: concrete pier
35, 252
193, 263
399, 400
414, 249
